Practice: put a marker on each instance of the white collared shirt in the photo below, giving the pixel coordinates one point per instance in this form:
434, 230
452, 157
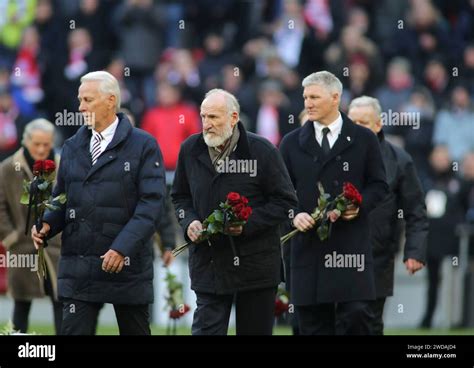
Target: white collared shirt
335, 129
107, 134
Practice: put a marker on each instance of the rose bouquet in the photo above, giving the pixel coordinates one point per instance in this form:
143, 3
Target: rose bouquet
37, 195
349, 196
235, 211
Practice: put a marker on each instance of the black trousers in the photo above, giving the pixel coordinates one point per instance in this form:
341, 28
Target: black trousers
376, 307
346, 318
254, 313
80, 318
433, 267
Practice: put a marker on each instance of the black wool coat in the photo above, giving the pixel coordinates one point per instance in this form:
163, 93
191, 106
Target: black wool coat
355, 158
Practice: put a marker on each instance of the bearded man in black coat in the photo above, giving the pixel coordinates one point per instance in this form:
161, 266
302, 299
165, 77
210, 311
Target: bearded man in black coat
332, 279
244, 268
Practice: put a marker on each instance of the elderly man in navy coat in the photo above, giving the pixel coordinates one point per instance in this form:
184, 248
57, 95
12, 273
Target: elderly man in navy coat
113, 178
333, 278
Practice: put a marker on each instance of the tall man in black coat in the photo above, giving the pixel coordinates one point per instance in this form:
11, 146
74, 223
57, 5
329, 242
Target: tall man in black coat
405, 203
114, 180
332, 278
248, 272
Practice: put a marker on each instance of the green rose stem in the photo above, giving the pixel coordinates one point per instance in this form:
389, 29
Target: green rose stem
316, 215
180, 249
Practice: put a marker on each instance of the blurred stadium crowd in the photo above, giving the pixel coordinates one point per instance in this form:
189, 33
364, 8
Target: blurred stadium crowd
415, 56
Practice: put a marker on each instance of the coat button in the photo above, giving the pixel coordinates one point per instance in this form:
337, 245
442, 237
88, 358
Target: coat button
338, 158
336, 183
315, 158
83, 219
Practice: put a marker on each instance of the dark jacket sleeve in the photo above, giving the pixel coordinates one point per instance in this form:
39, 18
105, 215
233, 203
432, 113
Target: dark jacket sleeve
284, 151
149, 209
181, 195
166, 226
279, 193
412, 202
57, 218
376, 187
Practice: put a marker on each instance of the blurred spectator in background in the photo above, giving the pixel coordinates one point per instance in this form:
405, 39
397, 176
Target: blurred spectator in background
216, 56
396, 90
12, 124
445, 210
116, 67
81, 58
360, 82
467, 69
424, 33
273, 118
26, 73
139, 27
289, 32
180, 69
353, 45
171, 122
15, 16
468, 190
418, 134
437, 80
454, 127
92, 15
23, 283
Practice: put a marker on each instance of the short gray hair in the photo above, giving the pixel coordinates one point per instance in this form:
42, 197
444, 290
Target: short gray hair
363, 101
231, 100
325, 79
108, 84
42, 125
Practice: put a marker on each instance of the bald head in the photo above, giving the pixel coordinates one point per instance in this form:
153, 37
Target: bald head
219, 114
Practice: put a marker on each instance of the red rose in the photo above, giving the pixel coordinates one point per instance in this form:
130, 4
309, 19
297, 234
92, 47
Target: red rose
244, 200
233, 198
245, 213
178, 313
38, 167
237, 208
280, 307
49, 166
352, 194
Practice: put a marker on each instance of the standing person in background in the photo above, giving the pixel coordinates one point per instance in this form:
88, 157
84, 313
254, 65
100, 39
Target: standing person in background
405, 199
23, 283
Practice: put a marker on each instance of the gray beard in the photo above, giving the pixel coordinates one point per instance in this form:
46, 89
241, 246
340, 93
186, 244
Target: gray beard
218, 140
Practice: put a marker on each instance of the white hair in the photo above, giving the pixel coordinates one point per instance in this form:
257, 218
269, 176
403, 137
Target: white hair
42, 125
108, 84
231, 100
325, 79
363, 101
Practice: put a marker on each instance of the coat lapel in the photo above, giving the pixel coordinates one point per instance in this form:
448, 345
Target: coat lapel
19, 157
345, 139
83, 145
308, 142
